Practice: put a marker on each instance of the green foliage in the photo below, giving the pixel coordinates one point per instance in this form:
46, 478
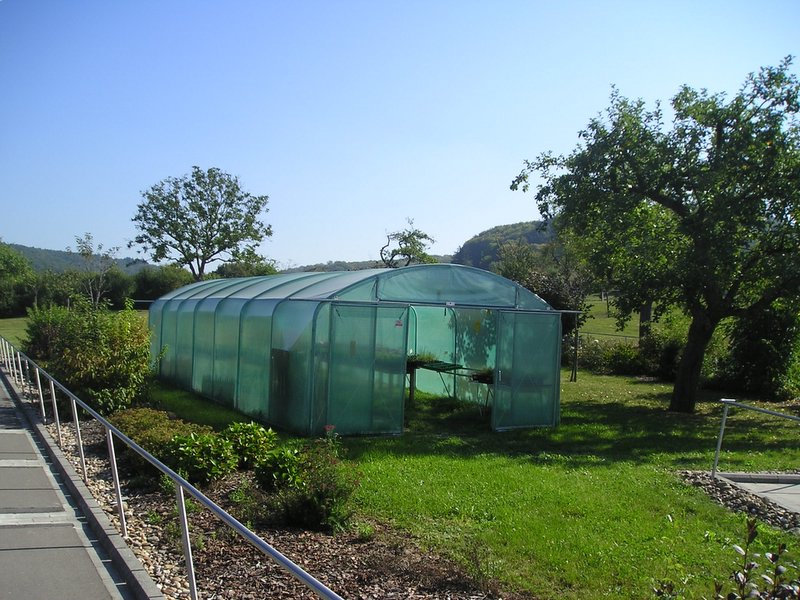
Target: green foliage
201, 457
701, 215
191, 407
483, 250
200, 218
406, 247
153, 282
16, 274
100, 355
320, 497
250, 442
278, 469
312, 485
769, 581
153, 430
253, 268
764, 355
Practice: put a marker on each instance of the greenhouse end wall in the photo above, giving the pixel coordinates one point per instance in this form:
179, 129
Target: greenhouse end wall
303, 351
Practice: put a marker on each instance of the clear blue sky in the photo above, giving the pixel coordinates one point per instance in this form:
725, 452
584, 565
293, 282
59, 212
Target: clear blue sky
350, 115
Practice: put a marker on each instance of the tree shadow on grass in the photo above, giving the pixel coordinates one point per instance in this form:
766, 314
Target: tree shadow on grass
591, 431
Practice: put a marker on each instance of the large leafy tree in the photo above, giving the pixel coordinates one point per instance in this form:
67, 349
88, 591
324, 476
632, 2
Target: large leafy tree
200, 218
702, 214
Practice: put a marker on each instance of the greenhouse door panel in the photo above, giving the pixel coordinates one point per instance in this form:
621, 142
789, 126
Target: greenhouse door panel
527, 370
367, 369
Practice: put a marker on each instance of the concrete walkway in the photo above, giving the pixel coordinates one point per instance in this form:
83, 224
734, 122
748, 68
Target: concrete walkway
782, 489
53, 543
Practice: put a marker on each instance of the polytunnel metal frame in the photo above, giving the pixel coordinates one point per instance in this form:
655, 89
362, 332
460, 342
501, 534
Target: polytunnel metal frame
263, 375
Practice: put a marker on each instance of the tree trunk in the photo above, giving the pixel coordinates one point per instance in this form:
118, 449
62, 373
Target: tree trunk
645, 317
687, 381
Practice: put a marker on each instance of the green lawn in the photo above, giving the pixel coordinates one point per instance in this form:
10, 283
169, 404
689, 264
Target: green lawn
591, 509
13, 329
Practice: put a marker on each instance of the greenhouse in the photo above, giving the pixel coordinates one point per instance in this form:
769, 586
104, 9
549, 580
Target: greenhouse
302, 351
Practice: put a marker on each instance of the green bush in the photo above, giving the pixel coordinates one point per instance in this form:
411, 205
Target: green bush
250, 441
201, 457
313, 486
320, 497
278, 468
101, 356
609, 357
153, 430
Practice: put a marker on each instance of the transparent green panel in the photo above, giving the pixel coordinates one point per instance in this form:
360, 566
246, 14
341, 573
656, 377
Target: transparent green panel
184, 342
476, 340
255, 339
435, 328
226, 349
441, 284
322, 356
203, 348
367, 369
527, 377
290, 402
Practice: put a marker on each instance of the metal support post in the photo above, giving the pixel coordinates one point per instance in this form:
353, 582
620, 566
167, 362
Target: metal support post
41, 396
187, 542
55, 414
112, 458
78, 440
726, 402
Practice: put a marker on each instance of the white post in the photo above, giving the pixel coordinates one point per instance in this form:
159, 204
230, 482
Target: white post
55, 413
78, 439
726, 402
41, 396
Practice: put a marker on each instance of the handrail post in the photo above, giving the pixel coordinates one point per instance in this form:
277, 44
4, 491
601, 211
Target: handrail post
18, 371
726, 404
78, 439
39, 391
112, 458
187, 542
55, 413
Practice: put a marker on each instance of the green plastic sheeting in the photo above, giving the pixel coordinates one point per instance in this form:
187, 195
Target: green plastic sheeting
302, 351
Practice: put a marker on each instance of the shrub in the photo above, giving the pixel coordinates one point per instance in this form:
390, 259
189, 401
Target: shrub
320, 498
278, 468
201, 457
607, 357
313, 486
152, 430
250, 441
101, 356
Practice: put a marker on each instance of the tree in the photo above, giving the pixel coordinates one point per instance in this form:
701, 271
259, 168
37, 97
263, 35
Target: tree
95, 276
703, 215
15, 274
554, 272
153, 282
407, 246
200, 218
253, 268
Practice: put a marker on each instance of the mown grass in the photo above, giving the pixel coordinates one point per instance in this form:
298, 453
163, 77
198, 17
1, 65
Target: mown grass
13, 329
600, 322
593, 508
190, 407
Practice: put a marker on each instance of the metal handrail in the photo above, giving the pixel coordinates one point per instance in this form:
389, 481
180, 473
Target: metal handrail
13, 360
727, 403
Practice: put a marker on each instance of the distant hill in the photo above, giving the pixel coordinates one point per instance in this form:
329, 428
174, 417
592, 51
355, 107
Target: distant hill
341, 265
483, 250
61, 260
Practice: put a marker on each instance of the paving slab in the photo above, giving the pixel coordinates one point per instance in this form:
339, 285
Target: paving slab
781, 488
47, 547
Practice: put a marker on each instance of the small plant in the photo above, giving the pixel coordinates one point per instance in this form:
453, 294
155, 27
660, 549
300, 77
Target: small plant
749, 575
312, 485
250, 441
203, 457
278, 468
154, 517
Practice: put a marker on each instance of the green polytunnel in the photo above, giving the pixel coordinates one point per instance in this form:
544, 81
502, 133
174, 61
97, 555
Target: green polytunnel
302, 351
